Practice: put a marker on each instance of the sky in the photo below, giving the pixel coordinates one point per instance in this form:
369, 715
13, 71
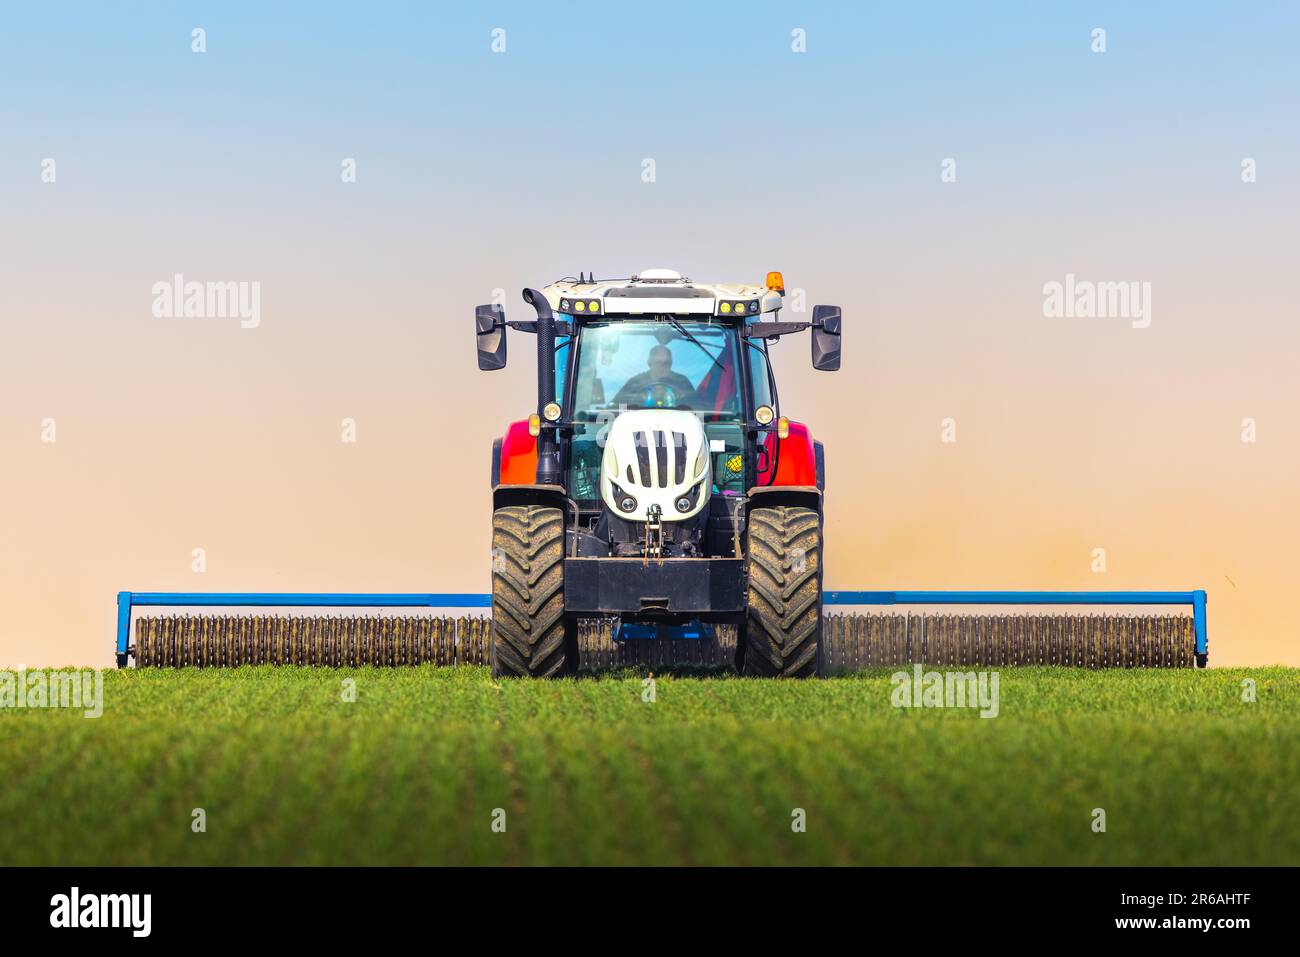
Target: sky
930, 168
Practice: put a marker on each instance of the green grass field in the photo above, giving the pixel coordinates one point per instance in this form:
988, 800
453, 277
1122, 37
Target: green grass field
709, 773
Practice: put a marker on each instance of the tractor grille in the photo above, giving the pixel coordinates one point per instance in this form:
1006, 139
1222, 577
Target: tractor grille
658, 455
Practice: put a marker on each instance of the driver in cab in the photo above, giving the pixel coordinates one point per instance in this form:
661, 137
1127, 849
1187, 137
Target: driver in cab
659, 386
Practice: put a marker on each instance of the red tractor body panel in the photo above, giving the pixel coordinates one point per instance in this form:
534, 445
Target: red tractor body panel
518, 455
793, 457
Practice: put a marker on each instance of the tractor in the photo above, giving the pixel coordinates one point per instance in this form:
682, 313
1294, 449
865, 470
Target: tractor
656, 484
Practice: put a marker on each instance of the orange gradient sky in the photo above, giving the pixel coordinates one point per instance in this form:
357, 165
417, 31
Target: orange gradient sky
1072, 434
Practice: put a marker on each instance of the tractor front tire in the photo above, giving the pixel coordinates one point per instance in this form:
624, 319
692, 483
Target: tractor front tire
531, 636
782, 631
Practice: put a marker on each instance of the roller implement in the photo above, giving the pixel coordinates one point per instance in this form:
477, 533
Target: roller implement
657, 508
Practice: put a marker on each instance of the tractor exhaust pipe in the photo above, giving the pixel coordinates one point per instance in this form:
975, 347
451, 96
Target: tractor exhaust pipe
548, 459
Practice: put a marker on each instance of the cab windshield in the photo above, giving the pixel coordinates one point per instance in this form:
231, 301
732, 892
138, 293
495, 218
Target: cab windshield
673, 364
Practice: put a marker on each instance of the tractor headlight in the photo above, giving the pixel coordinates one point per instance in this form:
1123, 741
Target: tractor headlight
624, 501
730, 307
764, 415
551, 412
586, 306
687, 502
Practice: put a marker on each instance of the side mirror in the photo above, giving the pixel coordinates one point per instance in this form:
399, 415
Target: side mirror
826, 338
490, 331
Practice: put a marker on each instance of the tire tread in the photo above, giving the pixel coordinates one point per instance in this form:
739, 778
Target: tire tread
531, 636
784, 618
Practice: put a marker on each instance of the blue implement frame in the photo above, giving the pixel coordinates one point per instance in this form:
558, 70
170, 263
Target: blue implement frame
126, 600
1195, 598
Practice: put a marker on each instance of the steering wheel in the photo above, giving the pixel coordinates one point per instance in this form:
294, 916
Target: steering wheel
661, 395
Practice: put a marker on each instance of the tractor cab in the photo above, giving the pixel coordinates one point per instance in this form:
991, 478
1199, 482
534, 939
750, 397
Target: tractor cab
656, 436
688, 376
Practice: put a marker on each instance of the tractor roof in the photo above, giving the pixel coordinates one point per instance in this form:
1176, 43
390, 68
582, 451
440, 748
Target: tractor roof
658, 292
